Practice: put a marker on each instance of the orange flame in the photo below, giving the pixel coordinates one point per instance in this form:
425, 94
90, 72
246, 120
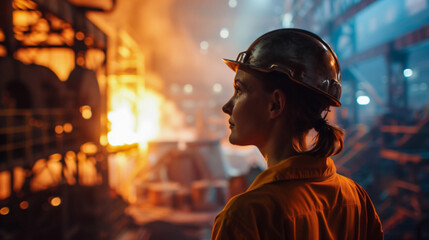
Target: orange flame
135, 112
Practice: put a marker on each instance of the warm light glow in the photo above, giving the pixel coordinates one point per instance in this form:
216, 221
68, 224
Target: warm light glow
130, 124
19, 175
3, 51
80, 61
46, 173
217, 88
4, 211
56, 201
124, 51
123, 123
68, 127
20, 18
89, 148
59, 129
55, 157
23, 205
81, 156
86, 112
89, 41
70, 167
5, 188
103, 140
62, 66
188, 89
80, 36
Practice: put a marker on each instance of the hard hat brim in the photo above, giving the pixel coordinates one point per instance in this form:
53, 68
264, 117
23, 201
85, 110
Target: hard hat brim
234, 65
231, 64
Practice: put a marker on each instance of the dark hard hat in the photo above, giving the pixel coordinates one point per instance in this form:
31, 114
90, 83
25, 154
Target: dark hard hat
303, 56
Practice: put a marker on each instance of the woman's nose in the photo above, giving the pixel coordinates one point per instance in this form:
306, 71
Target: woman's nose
227, 107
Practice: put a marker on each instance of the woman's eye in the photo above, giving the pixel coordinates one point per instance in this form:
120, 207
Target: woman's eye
237, 91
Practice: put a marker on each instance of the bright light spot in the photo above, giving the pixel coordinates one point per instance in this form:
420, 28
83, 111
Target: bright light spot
23, 205
20, 18
89, 148
103, 140
408, 72
232, 3
70, 154
363, 100
130, 124
81, 156
80, 36
188, 88
4, 211
56, 157
124, 51
224, 33
287, 20
204, 45
89, 41
123, 124
59, 129
56, 201
217, 88
86, 112
80, 61
68, 127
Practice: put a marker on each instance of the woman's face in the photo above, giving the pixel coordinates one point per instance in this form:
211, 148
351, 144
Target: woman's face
248, 109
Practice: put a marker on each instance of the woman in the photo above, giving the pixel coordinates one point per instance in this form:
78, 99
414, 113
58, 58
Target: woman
284, 85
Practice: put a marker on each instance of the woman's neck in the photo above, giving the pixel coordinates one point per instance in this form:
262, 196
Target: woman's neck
278, 148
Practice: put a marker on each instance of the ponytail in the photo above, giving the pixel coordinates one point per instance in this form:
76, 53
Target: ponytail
329, 139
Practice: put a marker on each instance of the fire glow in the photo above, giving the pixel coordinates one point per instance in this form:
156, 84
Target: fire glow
135, 114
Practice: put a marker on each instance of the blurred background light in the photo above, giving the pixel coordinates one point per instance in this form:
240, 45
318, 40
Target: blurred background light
56, 201
4, 210
363, 100
287, 20
232, 3
188, 88
23, 205
224, 33
204, 45
408, 72
217, 88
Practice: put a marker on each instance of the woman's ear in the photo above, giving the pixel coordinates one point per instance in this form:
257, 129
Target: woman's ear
277, 103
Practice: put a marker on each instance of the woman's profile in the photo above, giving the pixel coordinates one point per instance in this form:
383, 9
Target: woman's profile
285, 83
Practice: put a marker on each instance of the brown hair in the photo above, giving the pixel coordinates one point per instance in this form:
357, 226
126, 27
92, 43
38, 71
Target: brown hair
305, 108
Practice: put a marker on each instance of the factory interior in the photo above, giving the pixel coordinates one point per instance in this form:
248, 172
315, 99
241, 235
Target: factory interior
111, 122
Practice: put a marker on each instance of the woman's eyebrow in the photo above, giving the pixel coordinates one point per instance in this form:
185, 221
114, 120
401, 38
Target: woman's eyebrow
241, 83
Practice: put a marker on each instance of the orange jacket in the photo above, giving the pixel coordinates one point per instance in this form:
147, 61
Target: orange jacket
301, 197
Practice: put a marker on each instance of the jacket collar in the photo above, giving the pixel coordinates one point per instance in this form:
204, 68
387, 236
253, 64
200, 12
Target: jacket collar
300, 167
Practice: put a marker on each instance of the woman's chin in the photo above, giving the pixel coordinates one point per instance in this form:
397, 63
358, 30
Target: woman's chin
235, 141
